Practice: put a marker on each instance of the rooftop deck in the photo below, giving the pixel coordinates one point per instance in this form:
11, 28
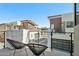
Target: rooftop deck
48, 52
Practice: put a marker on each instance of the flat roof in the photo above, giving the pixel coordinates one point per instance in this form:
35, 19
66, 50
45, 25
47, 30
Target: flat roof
59, 15
54, 16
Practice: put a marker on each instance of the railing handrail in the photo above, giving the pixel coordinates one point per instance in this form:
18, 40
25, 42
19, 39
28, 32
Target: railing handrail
2, 31
63, 32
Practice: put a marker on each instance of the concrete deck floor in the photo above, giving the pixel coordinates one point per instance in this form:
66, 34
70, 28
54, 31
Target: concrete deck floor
48, 52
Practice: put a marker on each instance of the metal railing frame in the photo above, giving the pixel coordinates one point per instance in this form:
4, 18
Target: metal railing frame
71, 47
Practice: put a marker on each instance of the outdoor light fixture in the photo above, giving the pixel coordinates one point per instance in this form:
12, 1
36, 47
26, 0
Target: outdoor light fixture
51, 28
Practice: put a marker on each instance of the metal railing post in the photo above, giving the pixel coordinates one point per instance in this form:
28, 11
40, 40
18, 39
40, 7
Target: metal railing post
38, 37
51, 40
4, 39
71, 46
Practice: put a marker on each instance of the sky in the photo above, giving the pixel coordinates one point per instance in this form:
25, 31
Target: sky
37, 12
77, 7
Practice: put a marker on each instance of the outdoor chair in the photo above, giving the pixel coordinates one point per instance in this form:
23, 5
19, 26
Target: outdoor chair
16, 45
37, 49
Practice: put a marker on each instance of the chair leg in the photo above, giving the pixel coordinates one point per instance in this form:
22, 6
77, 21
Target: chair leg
33, 54
14, 52
26, 51
43, 54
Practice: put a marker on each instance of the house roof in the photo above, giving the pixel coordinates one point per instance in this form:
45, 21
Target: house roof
54, 16
62, 14
30, 21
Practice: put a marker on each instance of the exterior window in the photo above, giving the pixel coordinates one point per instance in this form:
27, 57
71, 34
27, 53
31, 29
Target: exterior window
70, 24
14, 27
29, 26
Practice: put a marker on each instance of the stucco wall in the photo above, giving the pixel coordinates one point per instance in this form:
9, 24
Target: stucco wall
76, 41
18, 35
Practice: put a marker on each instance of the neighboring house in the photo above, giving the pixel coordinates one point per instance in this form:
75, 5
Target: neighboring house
31, 26
63, 27
28, 24
43, 32
25, 24
9, 26
3, 27
62, 22
57, 22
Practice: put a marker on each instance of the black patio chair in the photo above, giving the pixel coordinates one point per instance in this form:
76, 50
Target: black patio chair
37, 49
16, 45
